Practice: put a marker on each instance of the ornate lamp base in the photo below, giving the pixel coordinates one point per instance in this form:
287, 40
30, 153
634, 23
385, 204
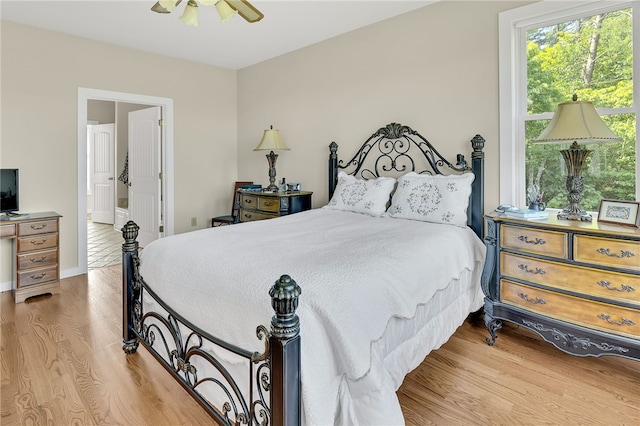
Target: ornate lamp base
575, 157
271, 158
577, 215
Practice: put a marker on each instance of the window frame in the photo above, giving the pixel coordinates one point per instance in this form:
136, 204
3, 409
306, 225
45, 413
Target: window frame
512, 58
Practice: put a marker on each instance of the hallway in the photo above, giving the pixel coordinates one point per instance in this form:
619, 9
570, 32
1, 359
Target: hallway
104, 245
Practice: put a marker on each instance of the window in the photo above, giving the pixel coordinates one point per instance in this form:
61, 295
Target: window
548, 52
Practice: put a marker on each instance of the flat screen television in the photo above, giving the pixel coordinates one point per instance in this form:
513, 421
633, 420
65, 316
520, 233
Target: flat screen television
9, 191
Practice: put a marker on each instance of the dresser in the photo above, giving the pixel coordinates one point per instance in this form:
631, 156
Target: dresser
36, 253
267, 205
576, 284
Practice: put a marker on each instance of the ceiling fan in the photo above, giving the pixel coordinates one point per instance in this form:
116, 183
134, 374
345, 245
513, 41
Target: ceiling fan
226, 9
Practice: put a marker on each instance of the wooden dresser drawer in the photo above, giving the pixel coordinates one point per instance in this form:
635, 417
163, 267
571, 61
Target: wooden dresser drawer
37, 276
37, 242
596, 315
41, 227
614, 286
607, 252
37, 259
549, 243
7, 230
250, 215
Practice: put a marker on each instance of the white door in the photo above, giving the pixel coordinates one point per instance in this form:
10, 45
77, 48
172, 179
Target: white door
102, 163
144, 173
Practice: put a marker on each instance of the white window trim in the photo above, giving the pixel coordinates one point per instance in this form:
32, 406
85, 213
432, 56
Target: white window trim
513, 25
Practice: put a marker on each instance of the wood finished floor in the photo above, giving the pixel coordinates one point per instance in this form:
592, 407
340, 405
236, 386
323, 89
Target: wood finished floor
62, 364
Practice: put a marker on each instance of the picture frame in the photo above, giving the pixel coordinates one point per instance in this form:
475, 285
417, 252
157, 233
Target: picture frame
620, 212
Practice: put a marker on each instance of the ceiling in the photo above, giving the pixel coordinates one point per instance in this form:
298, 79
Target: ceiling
287, 25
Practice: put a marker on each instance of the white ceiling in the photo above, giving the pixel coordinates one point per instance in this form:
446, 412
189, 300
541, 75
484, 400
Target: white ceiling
287, 25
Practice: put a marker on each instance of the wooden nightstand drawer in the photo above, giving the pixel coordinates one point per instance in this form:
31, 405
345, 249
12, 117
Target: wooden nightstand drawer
7, 230
37, 276
250, 215
269, 204
37, 259
249, 201
549, 243
614, 286
41, 227
600, 316
607, 252
37, 242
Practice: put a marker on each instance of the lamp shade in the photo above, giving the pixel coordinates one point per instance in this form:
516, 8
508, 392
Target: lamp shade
190, 14
271, 141
577, 121
225, 11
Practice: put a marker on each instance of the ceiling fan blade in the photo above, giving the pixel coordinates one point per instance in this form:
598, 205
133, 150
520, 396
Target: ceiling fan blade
246, 10
159, 9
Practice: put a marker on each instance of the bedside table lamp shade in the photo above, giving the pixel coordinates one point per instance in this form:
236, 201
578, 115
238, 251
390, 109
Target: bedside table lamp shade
271, 141
576, 121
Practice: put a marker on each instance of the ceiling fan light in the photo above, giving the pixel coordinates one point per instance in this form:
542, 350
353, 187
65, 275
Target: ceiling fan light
190, 14
225, 11
168, 5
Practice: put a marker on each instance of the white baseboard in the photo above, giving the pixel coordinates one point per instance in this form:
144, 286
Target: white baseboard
70, 273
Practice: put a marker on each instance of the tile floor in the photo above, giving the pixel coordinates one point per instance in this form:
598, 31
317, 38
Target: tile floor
104, 245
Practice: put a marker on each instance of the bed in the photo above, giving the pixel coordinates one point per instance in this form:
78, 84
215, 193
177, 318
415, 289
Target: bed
362, 281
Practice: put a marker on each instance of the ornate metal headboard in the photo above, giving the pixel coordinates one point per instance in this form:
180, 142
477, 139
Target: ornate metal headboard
395, 149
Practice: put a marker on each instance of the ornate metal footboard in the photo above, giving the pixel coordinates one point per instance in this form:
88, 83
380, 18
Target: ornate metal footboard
271, 393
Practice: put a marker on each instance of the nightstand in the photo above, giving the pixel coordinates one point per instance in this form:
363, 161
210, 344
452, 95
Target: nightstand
267, 205
576, 284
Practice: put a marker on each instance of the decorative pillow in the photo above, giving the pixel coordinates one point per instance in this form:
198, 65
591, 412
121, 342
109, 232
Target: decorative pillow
438, 199
362, 196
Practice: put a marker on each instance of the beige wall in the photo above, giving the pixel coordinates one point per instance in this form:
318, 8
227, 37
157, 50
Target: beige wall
41, 73
435, 69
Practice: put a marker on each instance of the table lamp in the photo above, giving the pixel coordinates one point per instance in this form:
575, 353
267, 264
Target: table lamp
271, 141
572, 122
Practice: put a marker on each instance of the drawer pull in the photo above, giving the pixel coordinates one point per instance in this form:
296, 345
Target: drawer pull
247, 201
623, 287
536, 301
35, 260
38, 277
623, 253
247, 215
537, 241
38, 227
269, 203
608, 319
536, 271
39, 243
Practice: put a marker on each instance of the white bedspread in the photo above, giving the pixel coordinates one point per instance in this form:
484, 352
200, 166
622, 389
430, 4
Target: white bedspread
357, 273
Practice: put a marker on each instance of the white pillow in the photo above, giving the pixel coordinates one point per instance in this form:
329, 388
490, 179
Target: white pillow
438, 199
362, 196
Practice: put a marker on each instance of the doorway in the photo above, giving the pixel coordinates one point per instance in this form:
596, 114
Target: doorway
166, 156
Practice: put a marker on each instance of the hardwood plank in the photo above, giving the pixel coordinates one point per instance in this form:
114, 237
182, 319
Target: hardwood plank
62, 363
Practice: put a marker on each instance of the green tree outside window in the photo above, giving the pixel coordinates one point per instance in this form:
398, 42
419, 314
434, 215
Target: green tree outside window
591, 57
